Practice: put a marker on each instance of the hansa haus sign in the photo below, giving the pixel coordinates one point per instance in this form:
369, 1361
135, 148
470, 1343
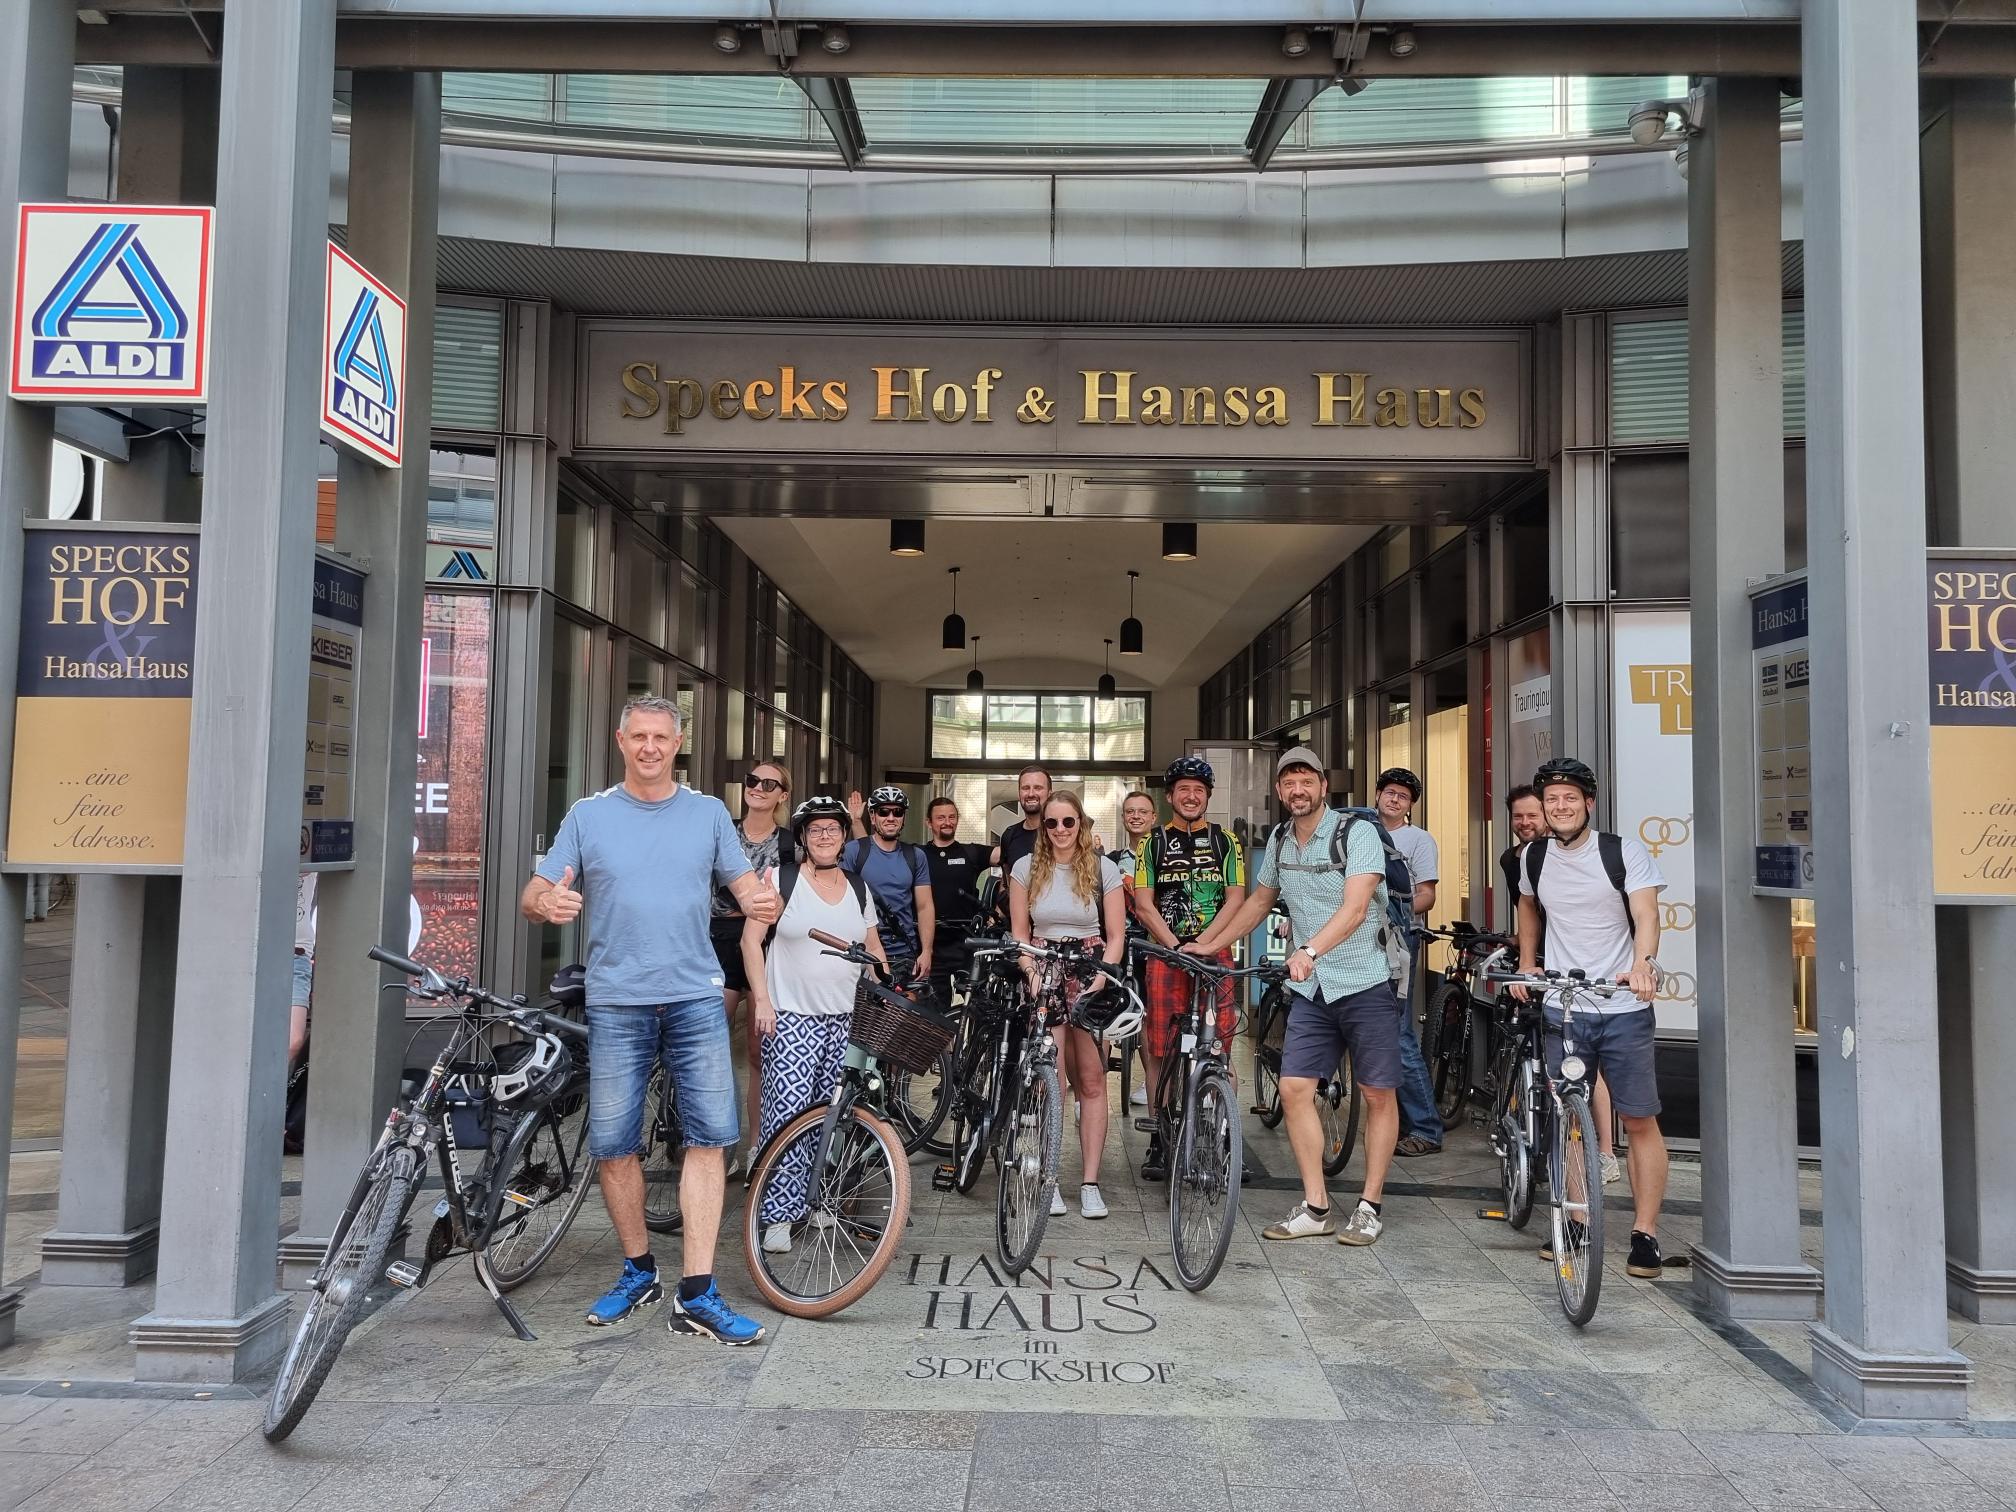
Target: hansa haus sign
363, 360
101, 713
1388, 396
112, 304
1971, 639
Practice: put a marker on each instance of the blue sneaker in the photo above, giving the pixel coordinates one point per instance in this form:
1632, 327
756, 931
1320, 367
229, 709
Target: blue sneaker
633, 1289
711, 1316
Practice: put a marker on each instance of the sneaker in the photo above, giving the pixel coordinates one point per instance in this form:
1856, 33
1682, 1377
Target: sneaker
1646, 1261
1090, 1203
1362, 1227
1156, 1166
777, 1239
709, 1316
1300, 1224
1613, 1169
1057, 1208
1139, 1097
822, 1218
633, 1289
1578, 1236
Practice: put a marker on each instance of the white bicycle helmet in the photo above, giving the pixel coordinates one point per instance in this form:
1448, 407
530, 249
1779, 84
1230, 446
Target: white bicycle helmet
1111, 1013
531, 1071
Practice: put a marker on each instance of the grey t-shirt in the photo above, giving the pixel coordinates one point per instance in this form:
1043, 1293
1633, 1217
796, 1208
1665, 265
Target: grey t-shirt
647, 873
1418, 849
1060, 914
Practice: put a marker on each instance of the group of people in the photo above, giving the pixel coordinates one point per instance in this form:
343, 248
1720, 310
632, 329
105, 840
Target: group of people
689, 911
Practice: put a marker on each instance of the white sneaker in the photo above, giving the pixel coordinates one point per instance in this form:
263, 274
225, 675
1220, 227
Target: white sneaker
1613, 1169
1139, 1098
1090, 1203
777, 1239
1362, 1227
1057, 1208
822, 1219
1300, 1224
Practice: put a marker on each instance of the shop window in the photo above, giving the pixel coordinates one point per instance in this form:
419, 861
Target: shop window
643, 577
1528, 568
1011, 727
1298, 625
1445, 805
1067, 727
574, 551
696, 618
1395, 711
1649, 377
1445, 607
1648, 526
462, 498
1391, 612
1297, 686
1396, 555
567, 768
1123, 733
468, 367
448, 791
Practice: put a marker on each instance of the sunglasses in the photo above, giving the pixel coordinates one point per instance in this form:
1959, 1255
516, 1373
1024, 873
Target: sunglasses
890, 813
762, 784
1066, 823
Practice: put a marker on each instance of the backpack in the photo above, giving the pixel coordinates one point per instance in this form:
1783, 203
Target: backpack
854, 856
1608, 846
787, 878
1394, 896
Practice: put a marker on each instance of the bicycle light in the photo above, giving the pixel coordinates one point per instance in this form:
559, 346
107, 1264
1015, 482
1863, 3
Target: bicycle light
1573, 1068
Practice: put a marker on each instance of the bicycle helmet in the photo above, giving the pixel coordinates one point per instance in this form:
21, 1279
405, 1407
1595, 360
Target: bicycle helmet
1111, 1013
1398, 776
818, 806
1565, 769
889, 796
1195, 768
531, 1072
569, 987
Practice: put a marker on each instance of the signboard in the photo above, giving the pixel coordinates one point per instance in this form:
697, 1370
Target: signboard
1781, 688
112, 304
328, 830
363, 361
1653, 801
1971, 638
101, 712
464, 566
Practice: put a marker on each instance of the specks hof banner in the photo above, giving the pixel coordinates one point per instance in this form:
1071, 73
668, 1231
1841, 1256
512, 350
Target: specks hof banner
1652, 776
112, 304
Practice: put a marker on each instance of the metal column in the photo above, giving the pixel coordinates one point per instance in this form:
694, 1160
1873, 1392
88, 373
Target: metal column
1747, 1264
36, 49
217, 1313
1882, 1349
1969, 156
1579, 517
381, 520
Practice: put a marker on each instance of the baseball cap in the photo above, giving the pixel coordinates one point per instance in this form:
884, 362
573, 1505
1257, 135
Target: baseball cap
1299, 756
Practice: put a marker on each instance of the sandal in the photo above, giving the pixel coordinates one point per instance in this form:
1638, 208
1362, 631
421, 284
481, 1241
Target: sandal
1414, 1144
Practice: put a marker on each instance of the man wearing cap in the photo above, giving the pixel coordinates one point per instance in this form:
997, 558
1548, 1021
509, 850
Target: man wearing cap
1338, 976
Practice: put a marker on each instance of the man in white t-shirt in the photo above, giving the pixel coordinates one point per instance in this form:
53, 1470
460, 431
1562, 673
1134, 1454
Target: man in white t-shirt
1395, 793
1600, 895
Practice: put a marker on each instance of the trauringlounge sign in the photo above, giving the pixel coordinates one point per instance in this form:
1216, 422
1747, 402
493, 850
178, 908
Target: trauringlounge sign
658, 386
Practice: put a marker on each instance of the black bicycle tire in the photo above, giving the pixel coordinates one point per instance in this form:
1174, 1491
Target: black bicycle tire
920, 1137
658, 1218
970, 1142
857, 1122
1515, 1164
1272, 1011
510, 1278
1337, 1155
1212, 1082
397, 1181
1051, 1134
1447, 1047
1577, 1130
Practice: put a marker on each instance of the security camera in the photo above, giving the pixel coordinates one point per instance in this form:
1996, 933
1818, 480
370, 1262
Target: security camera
1648, 121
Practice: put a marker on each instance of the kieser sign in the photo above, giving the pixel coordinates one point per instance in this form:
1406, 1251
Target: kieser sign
660, 386
363, 360
112, 304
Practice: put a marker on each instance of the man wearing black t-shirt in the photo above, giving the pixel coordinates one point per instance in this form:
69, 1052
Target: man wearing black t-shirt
1522, 805
1032, 788
957, 868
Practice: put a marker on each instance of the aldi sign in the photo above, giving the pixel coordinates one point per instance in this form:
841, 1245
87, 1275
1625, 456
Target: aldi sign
363, 361
112, 304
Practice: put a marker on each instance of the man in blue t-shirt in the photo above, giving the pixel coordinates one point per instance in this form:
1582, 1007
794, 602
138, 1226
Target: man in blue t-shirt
899, 877
643, 859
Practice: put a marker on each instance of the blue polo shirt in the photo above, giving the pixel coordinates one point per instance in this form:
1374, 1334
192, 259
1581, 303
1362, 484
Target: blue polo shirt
1313, 891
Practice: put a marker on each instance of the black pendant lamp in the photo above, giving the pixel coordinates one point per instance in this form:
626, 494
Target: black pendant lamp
955, 624
906, 538
1130, 627
1108, 689
1179, 542
975, 683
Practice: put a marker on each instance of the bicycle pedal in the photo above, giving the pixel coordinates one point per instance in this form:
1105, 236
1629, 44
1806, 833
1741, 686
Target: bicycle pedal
1147, 1125
403, 1274
944, 1179
519, 1199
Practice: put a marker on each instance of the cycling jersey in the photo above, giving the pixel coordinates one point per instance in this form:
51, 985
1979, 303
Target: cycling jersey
1189, 868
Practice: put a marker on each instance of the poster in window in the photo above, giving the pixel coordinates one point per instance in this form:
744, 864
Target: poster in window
448, 791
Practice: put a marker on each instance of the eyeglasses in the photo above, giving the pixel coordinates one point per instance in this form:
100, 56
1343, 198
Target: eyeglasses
762, 784
890, 813
823, 832
1066, 823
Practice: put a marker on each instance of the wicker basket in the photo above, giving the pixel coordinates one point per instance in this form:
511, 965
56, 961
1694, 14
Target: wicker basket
894, 1029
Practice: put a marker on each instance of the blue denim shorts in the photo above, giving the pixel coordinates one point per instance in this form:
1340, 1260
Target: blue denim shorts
1621, 1048
627, 1043
304, 979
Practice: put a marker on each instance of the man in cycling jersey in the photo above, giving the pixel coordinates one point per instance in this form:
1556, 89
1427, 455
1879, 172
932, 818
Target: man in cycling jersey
1396, 793
1186, 872
1607, 927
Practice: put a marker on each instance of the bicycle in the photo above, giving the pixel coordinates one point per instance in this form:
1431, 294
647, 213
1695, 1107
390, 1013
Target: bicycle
1197, 1119
841, 1162
1453, 1012
1559, 1127
1340, 1106
981, 1054
664, 1154
532, 1165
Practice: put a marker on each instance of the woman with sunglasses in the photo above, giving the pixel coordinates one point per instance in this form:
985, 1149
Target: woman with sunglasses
768, 844
1066, 890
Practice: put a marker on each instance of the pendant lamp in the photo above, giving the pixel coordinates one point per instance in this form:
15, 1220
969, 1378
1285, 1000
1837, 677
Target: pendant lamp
955, 625
1179, 542
1108, 689
974, 681
1130, 627
906, 538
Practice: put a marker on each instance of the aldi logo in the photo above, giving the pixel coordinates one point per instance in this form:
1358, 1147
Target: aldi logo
112, 304
363, 360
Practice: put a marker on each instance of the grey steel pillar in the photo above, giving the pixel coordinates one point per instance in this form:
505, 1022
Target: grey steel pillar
122, 972
1747, 1264
1882, 1348
1969, 156
36, 50
217, 1312
381, 519
1579, 511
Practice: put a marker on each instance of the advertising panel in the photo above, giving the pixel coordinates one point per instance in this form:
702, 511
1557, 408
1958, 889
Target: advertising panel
1653, 796
328, 828
1781, 685
363, 361
448, 790
1971, 638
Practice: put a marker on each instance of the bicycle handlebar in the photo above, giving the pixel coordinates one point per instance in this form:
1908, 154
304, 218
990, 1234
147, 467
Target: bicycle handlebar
1569, 983
463, 988
1205, 966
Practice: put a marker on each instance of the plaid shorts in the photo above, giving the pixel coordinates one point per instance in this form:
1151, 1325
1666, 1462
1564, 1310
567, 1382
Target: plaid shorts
1168, 1004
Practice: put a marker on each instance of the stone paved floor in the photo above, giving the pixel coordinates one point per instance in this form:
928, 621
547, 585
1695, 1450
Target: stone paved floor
1433, 1370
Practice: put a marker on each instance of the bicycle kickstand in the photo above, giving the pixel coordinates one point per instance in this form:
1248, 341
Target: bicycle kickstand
503, 1302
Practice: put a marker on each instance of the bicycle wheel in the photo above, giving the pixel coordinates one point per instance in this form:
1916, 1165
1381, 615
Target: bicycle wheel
549, 1179
354, 1262
1339, 1105
852, 1220
1268, 1036
973, 1125
1516, 1139
918, 1101
664, 1150
1204, 1180
1575, 1187
1448, 1048
1027, 1148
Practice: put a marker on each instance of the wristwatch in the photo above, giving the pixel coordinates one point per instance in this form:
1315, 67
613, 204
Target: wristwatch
1305, 950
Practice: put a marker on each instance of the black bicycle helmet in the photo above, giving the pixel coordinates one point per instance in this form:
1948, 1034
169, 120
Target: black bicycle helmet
1565, 769
531, 1073
1398, 776
1195, 768
1111, 1013
570, 987
818, 806
889, 796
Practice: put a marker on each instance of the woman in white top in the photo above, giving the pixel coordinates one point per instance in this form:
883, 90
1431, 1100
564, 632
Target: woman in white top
1066, 890
804, 998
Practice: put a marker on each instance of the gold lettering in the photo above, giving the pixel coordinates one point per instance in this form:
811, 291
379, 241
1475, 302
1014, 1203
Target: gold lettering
1200, 406
1394, 408
1472, 402
750, 392
169, 592
983, 395
886, 393
1942, 585
59, 598
180, 555
794, 397
1238, 407
139, 601
1270, 406
833, 399
1969, 620
1351, 396
1096, 396
725, 399
1436, 411
1158, 405
684, 398
640, 381
948, 402
2004, 640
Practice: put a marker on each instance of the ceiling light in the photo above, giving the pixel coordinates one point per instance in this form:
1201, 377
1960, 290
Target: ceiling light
1130, 627
1401, 44
1295, 42
87, 16
1179, 542
906, 538
975, 683
955, 626
835, 39
727, 39
1108, 689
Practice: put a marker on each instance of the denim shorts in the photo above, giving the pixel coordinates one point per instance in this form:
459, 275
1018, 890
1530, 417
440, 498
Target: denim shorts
1318, 1031
627, 1043
1620, 1047
304, 978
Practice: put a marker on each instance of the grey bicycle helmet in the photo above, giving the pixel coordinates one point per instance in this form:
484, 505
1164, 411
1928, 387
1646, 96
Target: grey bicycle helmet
531, 1072
889, 796
1565, 769
1194, 768
1399, 776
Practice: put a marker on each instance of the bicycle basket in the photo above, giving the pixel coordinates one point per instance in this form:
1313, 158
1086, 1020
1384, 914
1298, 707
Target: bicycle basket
892, 1028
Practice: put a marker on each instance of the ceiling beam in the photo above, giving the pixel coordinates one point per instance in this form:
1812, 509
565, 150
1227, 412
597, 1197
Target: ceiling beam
1283, 101
834, 100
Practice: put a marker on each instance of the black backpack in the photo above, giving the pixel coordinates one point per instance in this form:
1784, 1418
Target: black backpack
1608, 846
787, 878
1396, 935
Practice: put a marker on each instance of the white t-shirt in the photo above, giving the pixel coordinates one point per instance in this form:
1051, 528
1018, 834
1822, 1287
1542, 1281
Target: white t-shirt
802, 978
1588, 925
1060, 914
1418, 849
304, 914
